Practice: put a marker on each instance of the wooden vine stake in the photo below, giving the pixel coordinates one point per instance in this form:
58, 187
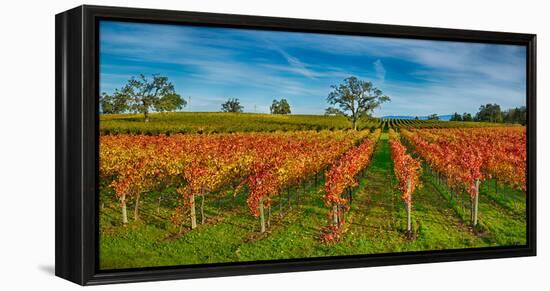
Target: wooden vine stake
475, 204
193, 212
124, 212
136, 207
408, 203
335, 214
262, 218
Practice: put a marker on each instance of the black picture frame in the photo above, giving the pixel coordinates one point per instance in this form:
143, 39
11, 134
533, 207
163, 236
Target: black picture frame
76, 113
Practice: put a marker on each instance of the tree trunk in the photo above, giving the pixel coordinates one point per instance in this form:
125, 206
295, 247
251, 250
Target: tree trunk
136, 207
193, 213
124, 212
203, 218
476, 203
146, 115
354, 122
262, 219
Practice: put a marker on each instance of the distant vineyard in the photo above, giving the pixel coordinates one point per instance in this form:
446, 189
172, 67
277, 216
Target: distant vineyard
416, 123
217, 122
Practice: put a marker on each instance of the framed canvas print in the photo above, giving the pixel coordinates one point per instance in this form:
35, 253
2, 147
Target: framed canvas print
198, 144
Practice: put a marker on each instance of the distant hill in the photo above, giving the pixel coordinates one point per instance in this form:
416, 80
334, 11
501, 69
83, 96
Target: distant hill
441, 117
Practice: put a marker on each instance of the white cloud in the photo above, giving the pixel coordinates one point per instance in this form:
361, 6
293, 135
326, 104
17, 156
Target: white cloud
380, 71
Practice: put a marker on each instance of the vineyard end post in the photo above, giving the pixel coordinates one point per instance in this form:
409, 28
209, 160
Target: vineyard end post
335, 214
124, 211
262, 218
193, 212
476, 202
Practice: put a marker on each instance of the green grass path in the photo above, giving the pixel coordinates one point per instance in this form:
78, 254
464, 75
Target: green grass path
379, 218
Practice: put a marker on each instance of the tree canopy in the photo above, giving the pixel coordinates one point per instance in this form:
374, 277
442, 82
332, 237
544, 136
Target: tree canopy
232, 105
433, 117
493, 113
467, 117
354, 99
456, 117
280, 107
515, 115
142, 95
489, 113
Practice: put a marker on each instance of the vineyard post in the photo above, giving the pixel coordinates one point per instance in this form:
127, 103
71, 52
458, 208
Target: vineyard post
203, 218
335, 214
193, 213
408, 202
136, 207
124, 212
340, 214
471, 209
476, 202
262, 219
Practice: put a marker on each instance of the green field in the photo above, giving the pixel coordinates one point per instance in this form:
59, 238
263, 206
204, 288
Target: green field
376, 221
217, 122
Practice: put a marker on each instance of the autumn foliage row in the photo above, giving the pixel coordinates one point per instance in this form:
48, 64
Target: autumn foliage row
340, 179
466, 155
343, 173
196, 165
406, 168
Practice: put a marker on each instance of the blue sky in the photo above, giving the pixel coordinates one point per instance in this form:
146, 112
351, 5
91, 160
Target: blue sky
212, 64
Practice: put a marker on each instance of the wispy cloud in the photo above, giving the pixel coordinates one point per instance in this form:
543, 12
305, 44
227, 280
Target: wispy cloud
295, 65
380, 70
211, 64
